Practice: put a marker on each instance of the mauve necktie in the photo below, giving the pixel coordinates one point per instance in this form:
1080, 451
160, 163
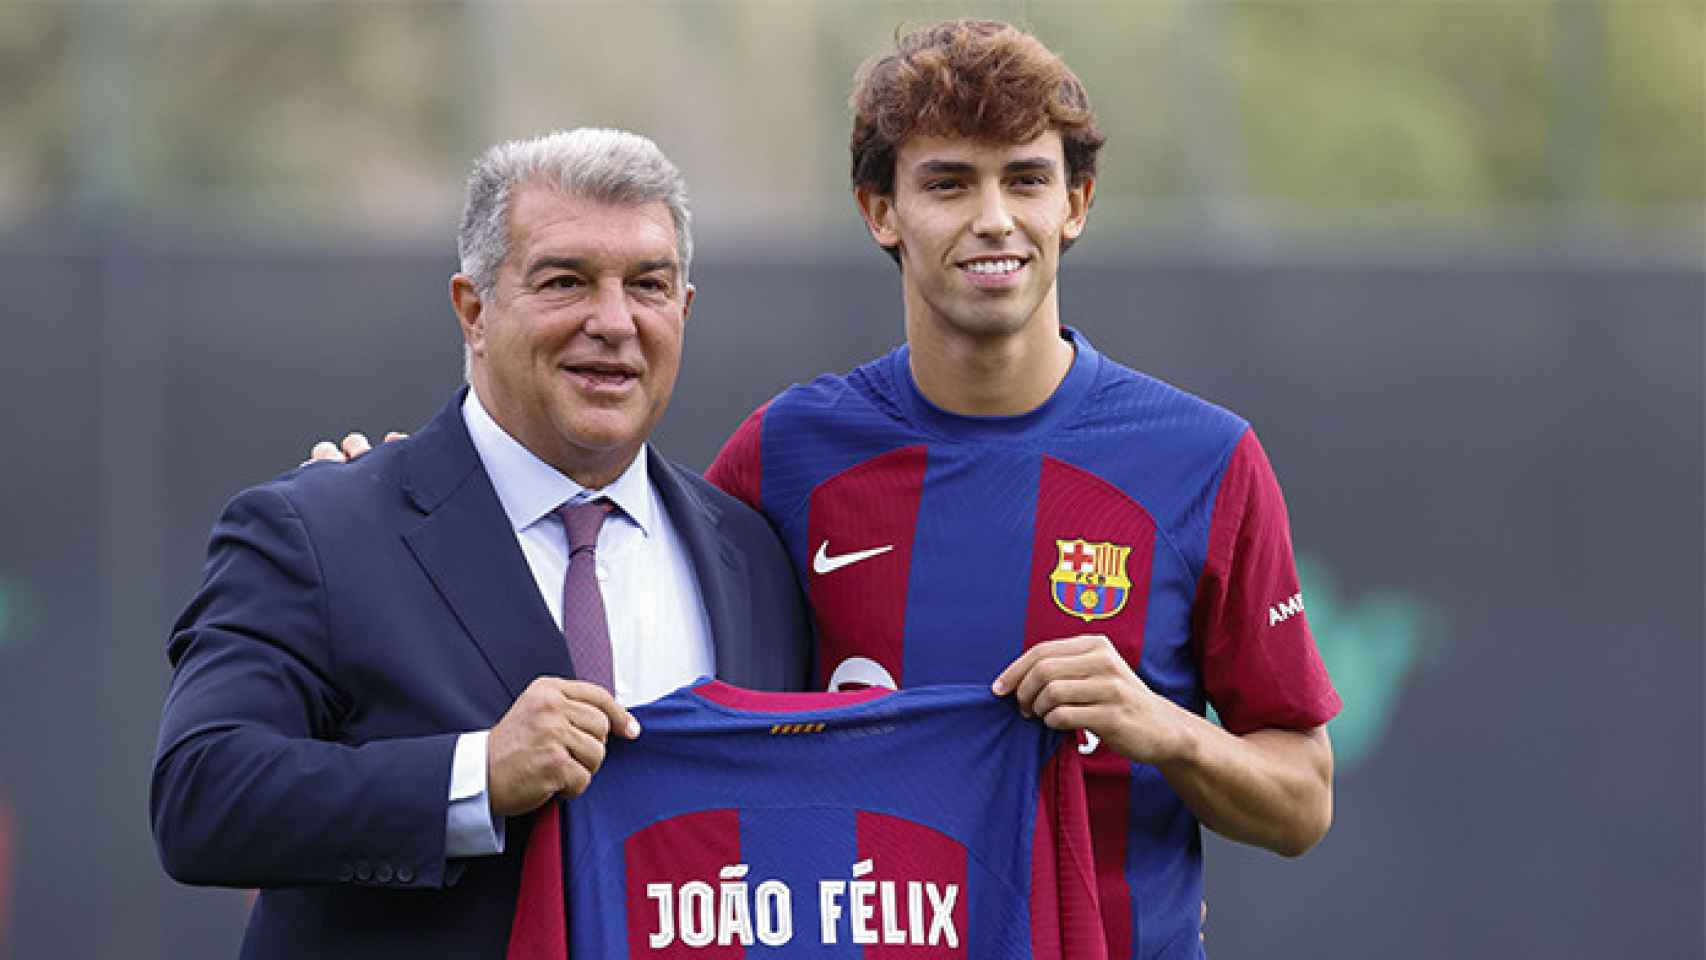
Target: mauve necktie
584, 628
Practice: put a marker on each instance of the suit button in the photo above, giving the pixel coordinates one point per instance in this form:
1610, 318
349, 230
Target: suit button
384, 873
405, 875
346, 873
363, 870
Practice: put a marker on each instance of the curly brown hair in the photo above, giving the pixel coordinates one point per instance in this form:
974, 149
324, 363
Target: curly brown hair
980, 79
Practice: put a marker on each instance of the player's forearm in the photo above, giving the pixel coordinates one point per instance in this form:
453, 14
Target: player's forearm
1269, 788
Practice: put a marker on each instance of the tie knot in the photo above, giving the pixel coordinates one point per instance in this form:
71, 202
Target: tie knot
581, 522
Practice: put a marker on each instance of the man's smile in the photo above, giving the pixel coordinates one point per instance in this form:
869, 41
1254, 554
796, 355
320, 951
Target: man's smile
993, 271
602, 375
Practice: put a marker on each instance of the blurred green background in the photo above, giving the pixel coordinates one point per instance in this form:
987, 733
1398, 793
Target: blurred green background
1400, 123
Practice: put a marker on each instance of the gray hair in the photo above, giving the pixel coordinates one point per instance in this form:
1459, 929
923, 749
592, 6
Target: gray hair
593, 163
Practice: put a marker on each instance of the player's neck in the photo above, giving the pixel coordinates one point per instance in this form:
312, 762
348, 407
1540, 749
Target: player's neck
989, 376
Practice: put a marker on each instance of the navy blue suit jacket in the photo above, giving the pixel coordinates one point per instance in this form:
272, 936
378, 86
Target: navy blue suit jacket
352, 621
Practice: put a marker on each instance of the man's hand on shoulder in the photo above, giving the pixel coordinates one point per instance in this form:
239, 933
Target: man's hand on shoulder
550, 743
352, 446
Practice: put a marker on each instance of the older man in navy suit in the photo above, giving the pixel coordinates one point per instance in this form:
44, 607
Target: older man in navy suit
390, 664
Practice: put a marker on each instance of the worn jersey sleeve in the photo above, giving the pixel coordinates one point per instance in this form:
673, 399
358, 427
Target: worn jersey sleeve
1260, 667
738, 470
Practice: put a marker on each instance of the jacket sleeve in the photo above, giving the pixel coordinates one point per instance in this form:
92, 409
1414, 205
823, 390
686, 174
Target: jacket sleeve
253, 783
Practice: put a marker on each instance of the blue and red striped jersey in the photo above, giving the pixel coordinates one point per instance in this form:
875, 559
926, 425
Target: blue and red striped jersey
935, 548
934, 822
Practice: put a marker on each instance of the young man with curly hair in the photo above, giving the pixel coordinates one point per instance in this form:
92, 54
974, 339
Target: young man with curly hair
997, 502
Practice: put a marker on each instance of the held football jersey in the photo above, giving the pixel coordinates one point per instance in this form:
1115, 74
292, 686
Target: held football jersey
935, 548
934, 823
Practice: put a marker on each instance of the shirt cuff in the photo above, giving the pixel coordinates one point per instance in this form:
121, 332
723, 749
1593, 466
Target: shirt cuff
470, 830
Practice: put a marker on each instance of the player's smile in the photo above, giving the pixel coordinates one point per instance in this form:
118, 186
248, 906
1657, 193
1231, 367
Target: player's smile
995, 271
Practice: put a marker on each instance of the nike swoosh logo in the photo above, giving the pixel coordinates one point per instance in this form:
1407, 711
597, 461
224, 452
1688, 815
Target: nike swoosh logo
824, 563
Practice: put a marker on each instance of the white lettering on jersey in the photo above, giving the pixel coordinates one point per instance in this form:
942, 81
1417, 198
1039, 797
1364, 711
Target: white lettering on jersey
775, 913
857, 672
765, 915
873, 909
734, 907
1286, 609
913, 913
664, 894
1089, 744
824, 563
698, 920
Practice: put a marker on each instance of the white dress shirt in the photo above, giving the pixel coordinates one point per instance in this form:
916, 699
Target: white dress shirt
660, 636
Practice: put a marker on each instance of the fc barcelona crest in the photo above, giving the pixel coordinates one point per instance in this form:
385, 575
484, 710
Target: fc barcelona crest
1089, 582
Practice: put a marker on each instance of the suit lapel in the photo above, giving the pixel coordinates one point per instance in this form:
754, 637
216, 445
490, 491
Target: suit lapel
465, 545
718, 564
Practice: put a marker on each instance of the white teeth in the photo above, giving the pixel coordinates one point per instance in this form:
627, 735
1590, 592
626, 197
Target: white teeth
993, 266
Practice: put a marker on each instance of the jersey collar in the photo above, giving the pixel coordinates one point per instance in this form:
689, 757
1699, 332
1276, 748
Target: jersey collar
1055, 413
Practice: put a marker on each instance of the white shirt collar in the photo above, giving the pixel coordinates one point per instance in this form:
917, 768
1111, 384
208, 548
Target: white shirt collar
529, 488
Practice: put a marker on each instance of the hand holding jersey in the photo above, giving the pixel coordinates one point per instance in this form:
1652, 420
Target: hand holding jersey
550, 743
1262, 788
1082, 683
